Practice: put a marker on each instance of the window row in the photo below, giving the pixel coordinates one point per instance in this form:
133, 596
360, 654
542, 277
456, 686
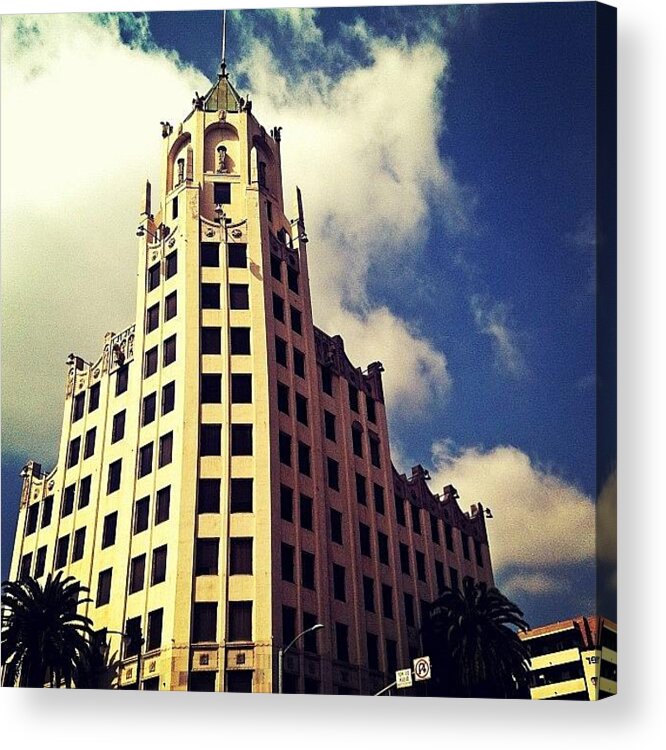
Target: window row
295, 315
211, 340
236, 254
153, 273
79, 402
145, 460
151, 357
292, 273
148, 410
239, 296
210, 439
282, 358
241, 388
153, 312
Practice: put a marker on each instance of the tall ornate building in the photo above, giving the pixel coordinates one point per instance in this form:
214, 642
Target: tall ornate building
224, 479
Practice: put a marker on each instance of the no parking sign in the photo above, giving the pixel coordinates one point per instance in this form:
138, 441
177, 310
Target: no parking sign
422, 668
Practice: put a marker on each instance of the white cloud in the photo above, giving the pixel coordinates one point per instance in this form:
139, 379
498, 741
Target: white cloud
493, 320
533, 584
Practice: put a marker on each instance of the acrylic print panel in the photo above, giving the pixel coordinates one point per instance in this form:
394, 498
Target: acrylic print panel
343, 383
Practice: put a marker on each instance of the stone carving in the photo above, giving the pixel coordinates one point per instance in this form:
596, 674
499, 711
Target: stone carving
122, 348
181, 170
223, 115
172, 242
210, 232
198, 101
236, 234
167, 129
222, 159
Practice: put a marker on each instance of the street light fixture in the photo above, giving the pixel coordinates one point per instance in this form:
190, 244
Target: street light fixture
283, 651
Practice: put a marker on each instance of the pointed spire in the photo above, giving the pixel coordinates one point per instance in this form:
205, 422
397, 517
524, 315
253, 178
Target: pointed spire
223, 63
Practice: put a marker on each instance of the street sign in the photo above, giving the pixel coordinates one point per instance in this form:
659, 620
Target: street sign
403, 678
422, 668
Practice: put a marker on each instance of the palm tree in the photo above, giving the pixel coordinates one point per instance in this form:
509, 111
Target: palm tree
471, 637
44, 640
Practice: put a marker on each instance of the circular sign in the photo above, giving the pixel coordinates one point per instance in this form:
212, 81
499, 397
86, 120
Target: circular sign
422, 668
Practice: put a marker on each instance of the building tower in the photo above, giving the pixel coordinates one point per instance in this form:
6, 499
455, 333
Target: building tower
224, 479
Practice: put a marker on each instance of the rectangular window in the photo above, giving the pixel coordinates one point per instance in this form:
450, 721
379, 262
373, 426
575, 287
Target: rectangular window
420, 566
210, 254
276, 267
171, 306
399, 509
301, 409
241, 388
211, 388
404, 558
269, 210
168, 397
237, 255
153, 277
357, 440
74, 452
387, 601
453, 578
370, 408
286, 503
89, 446
169, 351
336, 526
155, 620
109, 530
368, 594
113, 482
104, 587
409, 610
207, 556
68, 500
25, 565
122, 380
241, 495
278, 307
221, 193
448, 536
288, 624
477, 553
378, 492
382, 546
465, 545
339, 583
329, 425
283, 398
239, 681
240, 621
296, 320
239, 297
305, 512
40, 562
171, 265
211, 440
208, 500
137, 573
94, 398
292, 279
162, 505
241, 439
374, 451
79, 406
373, 650
145, 460
333, 473
174, 208
141, 514
204, 622
47, 511
353, 397
211, 340
304, 458
240, 340
416, 518
210, 296
439, 575
434, 529
62, 551
79, 545
364, 538
310, 640
287, 562
327, 381
148, 409
281, 351
134, 634
361, 489
308, 570
150, 362
342, 641
158, 568
284, 442
240, 557
118, 427
32, 518
299, 363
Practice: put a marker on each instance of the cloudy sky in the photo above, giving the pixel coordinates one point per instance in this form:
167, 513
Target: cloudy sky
446, 159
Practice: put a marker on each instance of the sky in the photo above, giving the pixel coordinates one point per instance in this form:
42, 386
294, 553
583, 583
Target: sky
446, 156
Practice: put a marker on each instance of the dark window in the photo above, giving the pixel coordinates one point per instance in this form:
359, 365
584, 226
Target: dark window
239, 681
280, 351
154, 639
145, 459
288, 624
79, 406
286, 503
378, 491
285, 448
118, 427
387, 601
32, 518
261, 177
409, 610
240, 621
240, 340
89, 446
211, 388
162, 505
287, 562
150, 362
301, 409
374, 451
448, 535
477, 553
304, 458
278, 307
357, 440
174, 208
453, 577
94, 398
153, 277
204, 622
434, 529
221, 193
269, 211
210, 254
353, 397
339, 583
158, 569
169, 352
336, 526
364, 536
283, 398
68, 500
299, 363
74, 451
239, 298
40, 562
25, 565
237, 255
211, 440
209, 496
134, 639
141, 514
171, 265
171, 306
327, 381
241, 495
370, 408
292, 279
104, 587
276, 267
305, 512
79, 544
368, 594
210, 296
168, 397
439, 575
416, 518
404, 558
382, 545
329, 425
296, 322
122, 380
308, 570
137, 573
241, 388
373, 650
465, 545
47, 511
207, 555
113, 482
361, 489
62, 550
211, 339
420, 566
342, 641
240, 557
148, 410
391, 655
241, 439
310, 640
109, 530
333, 473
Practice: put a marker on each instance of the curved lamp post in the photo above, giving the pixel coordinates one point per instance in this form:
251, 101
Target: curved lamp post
283, 651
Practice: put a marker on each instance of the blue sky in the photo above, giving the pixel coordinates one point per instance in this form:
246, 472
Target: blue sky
480, 258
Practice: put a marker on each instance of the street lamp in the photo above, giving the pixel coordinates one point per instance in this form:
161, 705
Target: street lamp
283, 651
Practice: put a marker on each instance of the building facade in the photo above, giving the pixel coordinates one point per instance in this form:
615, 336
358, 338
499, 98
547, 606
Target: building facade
573, 659
224, 478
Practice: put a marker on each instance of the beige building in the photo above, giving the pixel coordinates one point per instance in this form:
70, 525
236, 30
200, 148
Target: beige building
224, 478
573, 659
